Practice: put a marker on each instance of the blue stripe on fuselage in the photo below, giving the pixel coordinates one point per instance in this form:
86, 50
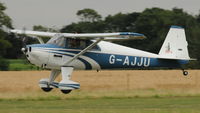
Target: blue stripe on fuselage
110, 61
87, 64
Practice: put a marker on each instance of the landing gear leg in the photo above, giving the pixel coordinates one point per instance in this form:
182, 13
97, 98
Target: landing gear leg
66, 85
53, 76
47, 84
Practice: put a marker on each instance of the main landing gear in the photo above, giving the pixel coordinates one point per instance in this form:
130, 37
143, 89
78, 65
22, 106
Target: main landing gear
65, 85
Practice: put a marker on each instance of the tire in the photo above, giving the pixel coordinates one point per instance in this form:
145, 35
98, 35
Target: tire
185, 73
66, 91
46, 89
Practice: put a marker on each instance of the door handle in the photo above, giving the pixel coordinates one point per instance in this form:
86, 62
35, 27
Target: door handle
60, 56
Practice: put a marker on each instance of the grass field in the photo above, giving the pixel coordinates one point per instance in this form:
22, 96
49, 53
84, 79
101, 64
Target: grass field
120, 91
20, 64
103, 105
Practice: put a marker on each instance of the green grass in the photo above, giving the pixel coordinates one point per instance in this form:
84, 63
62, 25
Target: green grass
103, 105
148, 101
20, 64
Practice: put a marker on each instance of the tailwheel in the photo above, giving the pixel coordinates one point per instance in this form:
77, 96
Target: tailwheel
185, 73
66, 91
46, 89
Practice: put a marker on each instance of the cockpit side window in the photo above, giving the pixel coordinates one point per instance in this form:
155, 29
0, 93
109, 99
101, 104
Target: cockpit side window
79, 44
72, 43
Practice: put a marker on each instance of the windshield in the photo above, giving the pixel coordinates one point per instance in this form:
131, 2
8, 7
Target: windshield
59, 41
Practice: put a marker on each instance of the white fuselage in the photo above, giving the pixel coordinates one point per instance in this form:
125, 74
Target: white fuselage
55, 58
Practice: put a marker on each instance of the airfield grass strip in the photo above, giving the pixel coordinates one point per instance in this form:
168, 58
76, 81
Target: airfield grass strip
104, 105
76, 97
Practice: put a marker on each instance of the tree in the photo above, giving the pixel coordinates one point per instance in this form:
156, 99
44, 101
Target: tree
4, 19
198, 17
88, 15
84, 27
90, 22
14, 51
5, 22
121, 22
39, 28
43, 28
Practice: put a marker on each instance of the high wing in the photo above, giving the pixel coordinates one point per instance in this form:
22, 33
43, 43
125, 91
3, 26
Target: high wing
90, 36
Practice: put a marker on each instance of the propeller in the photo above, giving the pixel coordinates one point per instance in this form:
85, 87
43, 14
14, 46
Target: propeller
24, 41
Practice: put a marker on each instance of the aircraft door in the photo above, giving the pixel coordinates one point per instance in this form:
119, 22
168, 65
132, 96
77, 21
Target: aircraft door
56, 54
45, 60
55, 60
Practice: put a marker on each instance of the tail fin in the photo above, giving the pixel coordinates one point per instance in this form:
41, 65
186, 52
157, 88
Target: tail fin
175, 44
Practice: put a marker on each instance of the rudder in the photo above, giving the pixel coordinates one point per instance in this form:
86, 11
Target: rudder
175, 44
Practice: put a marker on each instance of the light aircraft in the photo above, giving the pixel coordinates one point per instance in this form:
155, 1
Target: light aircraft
65, 52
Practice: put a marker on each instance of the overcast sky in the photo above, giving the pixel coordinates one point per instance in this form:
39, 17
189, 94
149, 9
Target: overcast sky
58, 13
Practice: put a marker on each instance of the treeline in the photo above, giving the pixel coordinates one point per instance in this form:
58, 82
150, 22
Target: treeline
153, 22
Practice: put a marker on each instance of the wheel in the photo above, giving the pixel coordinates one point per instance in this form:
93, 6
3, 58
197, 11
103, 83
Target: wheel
185, 73
46, 89
66, 91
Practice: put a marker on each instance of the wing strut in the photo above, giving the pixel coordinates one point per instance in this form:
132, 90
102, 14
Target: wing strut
83, 51
39, 39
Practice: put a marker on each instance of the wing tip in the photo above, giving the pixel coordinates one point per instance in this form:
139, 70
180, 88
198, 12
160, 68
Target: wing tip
177, 27
132, 34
